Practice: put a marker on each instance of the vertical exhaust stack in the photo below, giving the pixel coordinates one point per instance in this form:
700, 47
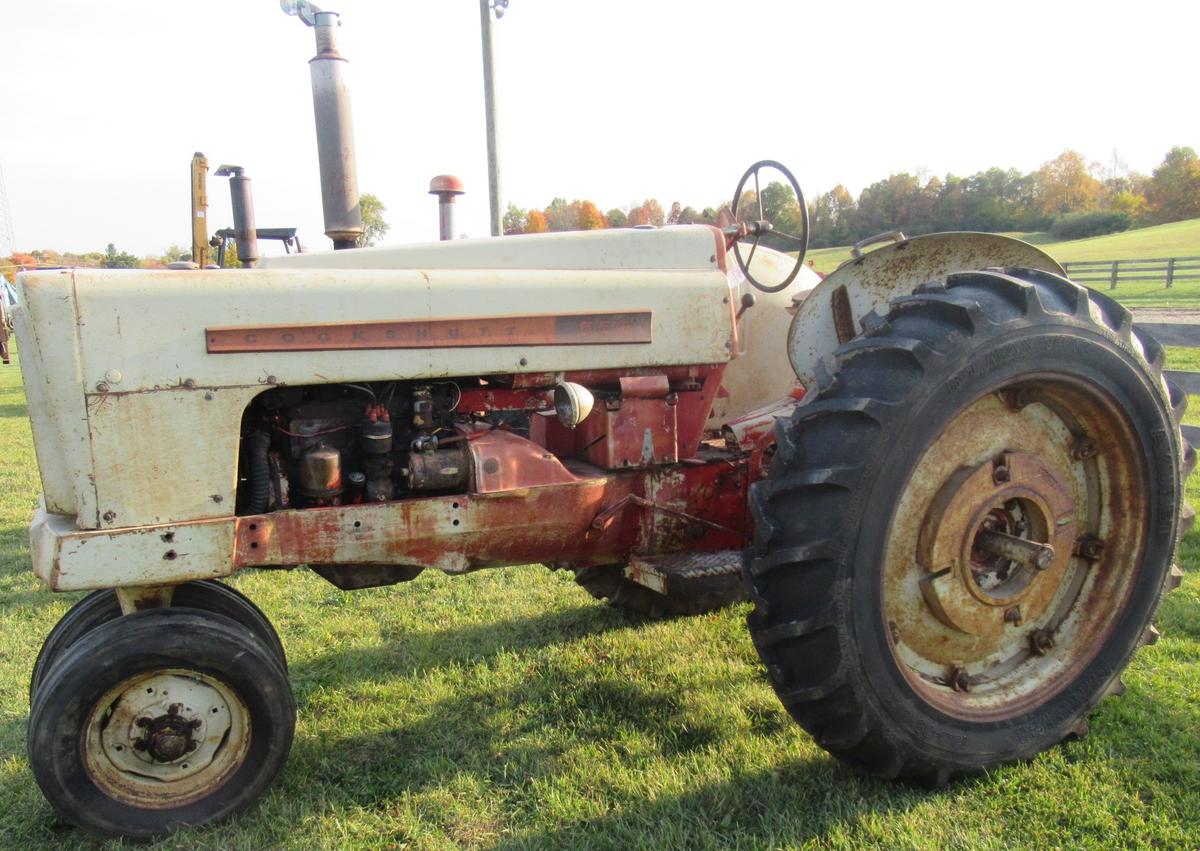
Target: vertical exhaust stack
335, 129
244, 231
335, 137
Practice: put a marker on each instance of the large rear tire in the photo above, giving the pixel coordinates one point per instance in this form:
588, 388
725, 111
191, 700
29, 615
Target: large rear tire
966, 532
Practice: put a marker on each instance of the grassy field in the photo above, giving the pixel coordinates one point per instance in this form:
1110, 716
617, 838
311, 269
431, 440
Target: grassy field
509, 710
1178, 239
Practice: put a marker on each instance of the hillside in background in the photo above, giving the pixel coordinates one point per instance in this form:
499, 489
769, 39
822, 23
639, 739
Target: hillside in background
1177, 239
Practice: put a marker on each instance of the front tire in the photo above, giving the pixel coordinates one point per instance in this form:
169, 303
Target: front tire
100, 607
158, 720
966, 533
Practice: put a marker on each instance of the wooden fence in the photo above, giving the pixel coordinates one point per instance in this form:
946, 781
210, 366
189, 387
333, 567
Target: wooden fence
1187, 335
1165, 270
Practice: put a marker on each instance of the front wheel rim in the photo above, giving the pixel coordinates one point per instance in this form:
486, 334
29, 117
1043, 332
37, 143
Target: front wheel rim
1014, 547
165, 738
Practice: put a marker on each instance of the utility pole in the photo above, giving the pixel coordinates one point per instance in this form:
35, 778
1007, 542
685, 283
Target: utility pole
489, 106
6, 232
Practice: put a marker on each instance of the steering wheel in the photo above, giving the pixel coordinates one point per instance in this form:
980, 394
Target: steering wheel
741, 231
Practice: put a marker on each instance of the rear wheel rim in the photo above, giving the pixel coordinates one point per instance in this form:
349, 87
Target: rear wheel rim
1051, 464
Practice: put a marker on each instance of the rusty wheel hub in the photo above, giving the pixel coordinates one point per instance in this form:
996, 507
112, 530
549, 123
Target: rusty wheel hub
995, 545
1012, 549
164, 738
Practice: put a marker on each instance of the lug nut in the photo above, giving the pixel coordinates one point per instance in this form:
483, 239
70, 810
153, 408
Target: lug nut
1083, 448
957, 679
143, 721
194, 723
139, 744
174, 708
1015, 400
1040, 640
1012, 615
1001, 475
1089, 547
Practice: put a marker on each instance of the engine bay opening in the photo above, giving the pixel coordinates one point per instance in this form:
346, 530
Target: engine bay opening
365, 442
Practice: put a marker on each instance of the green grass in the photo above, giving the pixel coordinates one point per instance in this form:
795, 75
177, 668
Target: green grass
508, 709
1177, 239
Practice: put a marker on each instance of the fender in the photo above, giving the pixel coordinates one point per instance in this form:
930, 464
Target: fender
833, 312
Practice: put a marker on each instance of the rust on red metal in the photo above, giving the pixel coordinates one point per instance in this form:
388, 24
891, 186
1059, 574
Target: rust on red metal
631, 433
610, 379
503, 461
645, 386
755, 431
495, 398
446, 184
573, 329
460, 533
695, 388
720, 255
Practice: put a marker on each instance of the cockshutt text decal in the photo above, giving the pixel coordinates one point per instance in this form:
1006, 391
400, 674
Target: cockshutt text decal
578, 329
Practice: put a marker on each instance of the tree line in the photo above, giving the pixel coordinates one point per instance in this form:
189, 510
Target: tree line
1067, 195
374, 229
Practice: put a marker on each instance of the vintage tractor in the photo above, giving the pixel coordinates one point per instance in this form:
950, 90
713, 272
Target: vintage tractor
949, 480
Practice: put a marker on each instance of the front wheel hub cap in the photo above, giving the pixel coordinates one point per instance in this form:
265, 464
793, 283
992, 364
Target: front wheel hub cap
166, 737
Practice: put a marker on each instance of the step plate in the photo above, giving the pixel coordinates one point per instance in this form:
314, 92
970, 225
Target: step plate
673, 572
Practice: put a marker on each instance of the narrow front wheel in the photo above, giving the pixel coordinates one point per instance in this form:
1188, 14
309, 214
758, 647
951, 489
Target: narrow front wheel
160, 719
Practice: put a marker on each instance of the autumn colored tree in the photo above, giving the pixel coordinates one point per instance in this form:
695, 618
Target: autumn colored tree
1065, 185
616, 218
590, 217
16, 263
654, 212
535, 222
1173, 192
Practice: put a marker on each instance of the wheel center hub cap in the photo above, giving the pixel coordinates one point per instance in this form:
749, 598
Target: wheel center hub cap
995, 543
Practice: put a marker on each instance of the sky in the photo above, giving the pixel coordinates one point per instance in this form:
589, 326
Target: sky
103, 103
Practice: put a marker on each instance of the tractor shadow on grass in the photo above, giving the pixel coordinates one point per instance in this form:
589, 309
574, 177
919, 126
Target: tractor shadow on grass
584, 729
412, 654
14, 411
599, 738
